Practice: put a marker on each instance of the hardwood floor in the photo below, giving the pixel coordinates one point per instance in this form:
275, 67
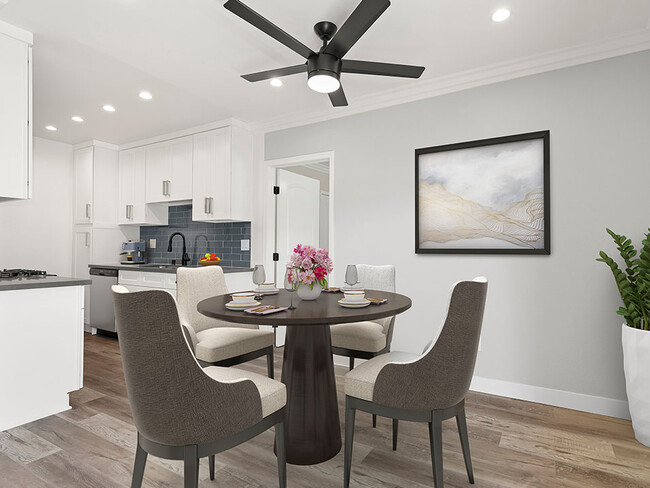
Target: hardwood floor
514, 444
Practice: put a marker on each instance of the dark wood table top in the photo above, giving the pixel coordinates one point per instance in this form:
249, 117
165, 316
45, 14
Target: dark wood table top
323, 311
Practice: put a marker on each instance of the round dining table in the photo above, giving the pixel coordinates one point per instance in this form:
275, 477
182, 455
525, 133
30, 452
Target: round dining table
313, 433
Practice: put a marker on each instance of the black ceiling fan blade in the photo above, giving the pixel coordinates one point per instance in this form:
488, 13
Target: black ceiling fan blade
366, 13
338, 98
381, 69
266, 26
276, 73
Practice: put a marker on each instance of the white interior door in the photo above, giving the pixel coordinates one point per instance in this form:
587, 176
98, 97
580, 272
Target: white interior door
298, 215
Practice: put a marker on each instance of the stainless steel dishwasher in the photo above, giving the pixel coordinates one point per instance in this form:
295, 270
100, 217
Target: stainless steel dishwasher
102, 316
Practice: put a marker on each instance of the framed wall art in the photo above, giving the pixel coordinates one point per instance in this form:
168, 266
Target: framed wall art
484, 197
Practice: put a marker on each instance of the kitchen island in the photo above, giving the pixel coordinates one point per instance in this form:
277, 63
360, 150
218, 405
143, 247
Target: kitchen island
41, 346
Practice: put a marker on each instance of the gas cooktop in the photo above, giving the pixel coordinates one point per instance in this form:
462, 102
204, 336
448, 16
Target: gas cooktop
22, 273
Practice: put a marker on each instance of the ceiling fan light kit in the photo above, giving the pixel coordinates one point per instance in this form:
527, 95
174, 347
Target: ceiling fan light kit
324, 67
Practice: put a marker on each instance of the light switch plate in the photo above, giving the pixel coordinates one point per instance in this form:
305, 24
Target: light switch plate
152, 243
245, 245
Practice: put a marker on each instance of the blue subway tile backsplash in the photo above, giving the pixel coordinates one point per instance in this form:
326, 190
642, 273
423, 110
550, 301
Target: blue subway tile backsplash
223, 239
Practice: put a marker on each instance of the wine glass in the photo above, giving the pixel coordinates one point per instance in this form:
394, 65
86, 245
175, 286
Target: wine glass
351, 275
259, 276
290, 284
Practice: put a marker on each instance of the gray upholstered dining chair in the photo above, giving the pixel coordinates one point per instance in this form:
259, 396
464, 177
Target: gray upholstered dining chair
427, 388
181, 410
215, 342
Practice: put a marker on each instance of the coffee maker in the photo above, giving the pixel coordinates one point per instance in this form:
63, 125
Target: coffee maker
134, 251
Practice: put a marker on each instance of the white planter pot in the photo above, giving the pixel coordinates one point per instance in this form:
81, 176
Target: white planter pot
636, 363
306, 293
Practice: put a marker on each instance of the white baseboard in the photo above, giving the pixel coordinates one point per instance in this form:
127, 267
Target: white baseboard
548, 396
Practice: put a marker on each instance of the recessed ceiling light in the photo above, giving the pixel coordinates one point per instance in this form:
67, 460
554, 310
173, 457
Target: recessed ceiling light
276, 82
76, 118
145, 95
50, 127
109, 108
501, 15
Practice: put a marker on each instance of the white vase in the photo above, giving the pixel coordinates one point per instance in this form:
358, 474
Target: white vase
306, 293
636, 362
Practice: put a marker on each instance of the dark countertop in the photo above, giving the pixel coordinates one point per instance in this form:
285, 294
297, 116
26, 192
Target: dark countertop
164, 269
33, 282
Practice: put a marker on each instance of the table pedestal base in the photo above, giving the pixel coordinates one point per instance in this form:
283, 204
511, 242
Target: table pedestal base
313, 432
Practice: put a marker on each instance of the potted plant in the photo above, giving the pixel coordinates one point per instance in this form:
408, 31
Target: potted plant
311, 267
634, 286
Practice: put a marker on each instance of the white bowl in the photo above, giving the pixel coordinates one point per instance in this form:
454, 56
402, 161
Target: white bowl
243, 297
355, 295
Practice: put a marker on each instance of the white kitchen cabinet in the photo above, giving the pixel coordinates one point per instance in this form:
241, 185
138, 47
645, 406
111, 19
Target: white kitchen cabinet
222, 175
133, 209
83, 184
147, 280
81, 255
15, 112
169, 170
95, 184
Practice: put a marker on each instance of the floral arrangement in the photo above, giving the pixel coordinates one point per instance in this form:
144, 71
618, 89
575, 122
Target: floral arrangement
311, 266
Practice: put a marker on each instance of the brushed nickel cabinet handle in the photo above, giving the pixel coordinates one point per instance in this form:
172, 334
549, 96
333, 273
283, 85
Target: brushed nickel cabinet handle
88, 210
206, 205
211, 202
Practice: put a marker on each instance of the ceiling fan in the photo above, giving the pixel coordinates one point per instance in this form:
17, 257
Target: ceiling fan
324, 67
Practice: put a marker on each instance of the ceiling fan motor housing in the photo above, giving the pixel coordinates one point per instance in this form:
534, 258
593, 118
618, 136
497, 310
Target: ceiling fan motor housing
324, 64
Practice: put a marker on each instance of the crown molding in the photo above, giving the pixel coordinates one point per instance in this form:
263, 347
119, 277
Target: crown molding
185, 132
609, 48
95, 143
15, 32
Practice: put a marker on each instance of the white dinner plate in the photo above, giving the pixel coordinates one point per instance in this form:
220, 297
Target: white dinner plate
241, 306
354, 304
267, 292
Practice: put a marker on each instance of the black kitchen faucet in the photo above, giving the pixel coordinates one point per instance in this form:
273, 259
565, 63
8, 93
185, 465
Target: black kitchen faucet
186, 258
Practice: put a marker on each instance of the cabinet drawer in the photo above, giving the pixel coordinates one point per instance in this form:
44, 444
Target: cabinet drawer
128, 278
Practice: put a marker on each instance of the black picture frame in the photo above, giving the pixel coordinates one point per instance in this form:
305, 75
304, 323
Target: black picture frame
452, 246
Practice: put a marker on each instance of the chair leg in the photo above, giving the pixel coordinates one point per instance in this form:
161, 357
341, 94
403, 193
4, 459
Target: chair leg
349, 438
269, 365
211, 462
374, 420
461, 422
191, 465
435, 439
281, 454
138, 466
351, 364
395, 424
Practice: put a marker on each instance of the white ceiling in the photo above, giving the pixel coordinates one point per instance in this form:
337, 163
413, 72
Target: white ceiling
189, 55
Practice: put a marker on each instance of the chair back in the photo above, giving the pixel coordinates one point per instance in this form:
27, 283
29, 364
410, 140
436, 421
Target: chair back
377, 277
441, 377
194, 285
172, 400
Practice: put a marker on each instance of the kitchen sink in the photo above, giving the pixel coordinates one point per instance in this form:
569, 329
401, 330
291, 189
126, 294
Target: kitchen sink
159, 266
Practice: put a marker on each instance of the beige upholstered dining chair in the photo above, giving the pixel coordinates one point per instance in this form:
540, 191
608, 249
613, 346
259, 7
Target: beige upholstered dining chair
368, 339
427, 388
181, 410
215, 342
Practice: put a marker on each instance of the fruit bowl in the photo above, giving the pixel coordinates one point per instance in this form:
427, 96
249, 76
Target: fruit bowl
210, 259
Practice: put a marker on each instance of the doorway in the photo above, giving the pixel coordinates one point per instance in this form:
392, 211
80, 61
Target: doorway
301, 209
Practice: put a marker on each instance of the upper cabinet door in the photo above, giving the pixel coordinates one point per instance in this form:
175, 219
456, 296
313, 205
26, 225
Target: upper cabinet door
125, 213
211, 179
158, 169
83, 185
180, 184
15, 115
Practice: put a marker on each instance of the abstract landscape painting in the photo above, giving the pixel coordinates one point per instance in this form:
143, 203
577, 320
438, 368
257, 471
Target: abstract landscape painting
488, 196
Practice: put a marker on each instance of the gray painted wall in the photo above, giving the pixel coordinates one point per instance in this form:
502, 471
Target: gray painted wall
550, 320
